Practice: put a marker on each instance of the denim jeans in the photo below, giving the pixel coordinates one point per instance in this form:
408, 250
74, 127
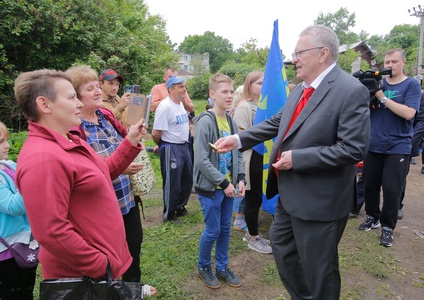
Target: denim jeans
217, 213
238, 206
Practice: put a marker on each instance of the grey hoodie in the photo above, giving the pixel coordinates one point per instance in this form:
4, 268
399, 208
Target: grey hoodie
206, 176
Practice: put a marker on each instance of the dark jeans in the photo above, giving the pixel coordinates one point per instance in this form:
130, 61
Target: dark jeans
253, 197
16, 283
134, 235
386, 171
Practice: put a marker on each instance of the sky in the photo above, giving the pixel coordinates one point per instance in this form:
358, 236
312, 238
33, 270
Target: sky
240, 20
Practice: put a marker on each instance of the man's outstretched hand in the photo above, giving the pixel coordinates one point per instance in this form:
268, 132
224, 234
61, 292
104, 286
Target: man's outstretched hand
226, 144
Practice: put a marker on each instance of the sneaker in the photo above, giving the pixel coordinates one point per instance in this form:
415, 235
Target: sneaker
240, 225
386, 238
400, 214
182, 212
229, 277
370, 223
247, 238
172, 217
260, 246
209, 278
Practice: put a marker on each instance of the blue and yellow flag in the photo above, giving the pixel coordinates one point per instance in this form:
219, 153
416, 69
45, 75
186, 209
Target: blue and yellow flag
273, 97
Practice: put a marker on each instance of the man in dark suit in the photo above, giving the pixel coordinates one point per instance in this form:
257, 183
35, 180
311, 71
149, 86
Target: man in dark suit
312, 165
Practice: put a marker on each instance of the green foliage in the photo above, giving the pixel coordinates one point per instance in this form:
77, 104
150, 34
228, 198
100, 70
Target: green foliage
57, 34
341, 22
345, 61
198, 86
121, 34
291, 74
16, 140
238, 72
220, 50
250, 54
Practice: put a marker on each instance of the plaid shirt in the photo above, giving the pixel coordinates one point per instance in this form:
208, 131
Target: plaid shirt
104, 139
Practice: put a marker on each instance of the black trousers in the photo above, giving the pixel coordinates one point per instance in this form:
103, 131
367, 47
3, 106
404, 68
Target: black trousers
16, 283
386, 171
134, 236
253, 197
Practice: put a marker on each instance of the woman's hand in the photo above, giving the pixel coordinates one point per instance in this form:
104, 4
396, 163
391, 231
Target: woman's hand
137, 131
133, 168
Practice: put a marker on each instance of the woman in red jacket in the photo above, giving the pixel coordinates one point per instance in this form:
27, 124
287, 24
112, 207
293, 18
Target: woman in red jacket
66, 186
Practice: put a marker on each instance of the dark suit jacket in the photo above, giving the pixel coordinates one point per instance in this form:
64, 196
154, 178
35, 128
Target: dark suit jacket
327, 139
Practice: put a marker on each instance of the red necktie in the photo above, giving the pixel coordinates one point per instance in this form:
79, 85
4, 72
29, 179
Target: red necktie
307, 92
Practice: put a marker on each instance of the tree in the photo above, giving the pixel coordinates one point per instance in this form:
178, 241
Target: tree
120, 34
249, 53
341, 22
220, 50
347, 58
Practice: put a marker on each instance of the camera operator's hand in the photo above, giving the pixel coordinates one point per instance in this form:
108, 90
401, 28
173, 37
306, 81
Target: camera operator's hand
125, 100
379, 94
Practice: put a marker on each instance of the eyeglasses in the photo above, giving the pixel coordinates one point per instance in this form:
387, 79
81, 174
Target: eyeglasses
297, 54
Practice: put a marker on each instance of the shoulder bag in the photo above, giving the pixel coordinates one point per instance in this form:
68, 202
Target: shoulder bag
25, 255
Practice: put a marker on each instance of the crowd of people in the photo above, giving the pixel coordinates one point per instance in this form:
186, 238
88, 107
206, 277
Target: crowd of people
80, 150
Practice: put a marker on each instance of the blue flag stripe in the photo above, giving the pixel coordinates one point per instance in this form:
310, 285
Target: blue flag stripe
272, 99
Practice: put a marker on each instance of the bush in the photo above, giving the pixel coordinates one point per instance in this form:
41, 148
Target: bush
16, 140
198, 86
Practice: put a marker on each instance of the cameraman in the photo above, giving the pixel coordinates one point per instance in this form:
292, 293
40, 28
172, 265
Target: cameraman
387, 160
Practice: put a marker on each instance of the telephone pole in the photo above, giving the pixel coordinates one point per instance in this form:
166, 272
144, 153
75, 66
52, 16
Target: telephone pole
419, 13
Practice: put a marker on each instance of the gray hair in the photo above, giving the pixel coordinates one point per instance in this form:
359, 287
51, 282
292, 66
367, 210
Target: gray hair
323, 36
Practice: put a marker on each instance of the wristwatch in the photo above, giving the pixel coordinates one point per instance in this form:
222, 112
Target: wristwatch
383, 100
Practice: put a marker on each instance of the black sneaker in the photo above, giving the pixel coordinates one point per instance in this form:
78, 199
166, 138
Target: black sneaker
369, 223
208, 278
228, 277
172, 217
386, 238
182, 212
400, 214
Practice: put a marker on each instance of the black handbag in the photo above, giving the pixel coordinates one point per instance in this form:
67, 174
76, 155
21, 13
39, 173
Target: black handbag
88, 289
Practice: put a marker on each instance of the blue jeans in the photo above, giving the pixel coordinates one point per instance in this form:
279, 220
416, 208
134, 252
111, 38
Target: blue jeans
238, 206
217, 213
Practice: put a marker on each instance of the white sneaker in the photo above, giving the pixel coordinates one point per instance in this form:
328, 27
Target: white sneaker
260, 246
247, 238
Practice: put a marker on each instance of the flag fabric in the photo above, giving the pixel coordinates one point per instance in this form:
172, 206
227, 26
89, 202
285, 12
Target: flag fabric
273, 97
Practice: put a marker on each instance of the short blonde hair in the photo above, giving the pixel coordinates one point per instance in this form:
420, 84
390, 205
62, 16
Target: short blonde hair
80, 75
217, 79
3, 130
33, 84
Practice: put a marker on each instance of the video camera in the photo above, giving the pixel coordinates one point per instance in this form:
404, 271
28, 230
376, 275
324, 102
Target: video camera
371, 79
